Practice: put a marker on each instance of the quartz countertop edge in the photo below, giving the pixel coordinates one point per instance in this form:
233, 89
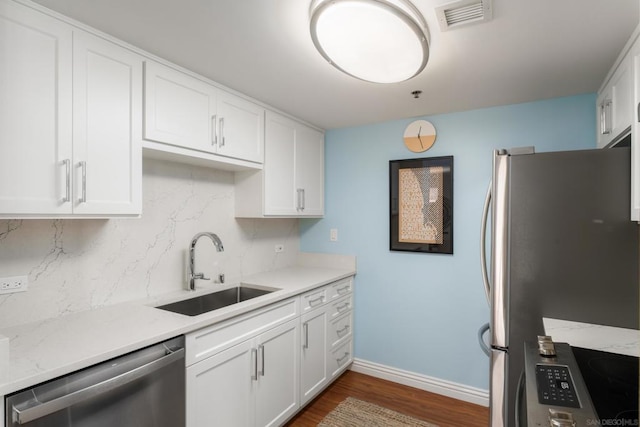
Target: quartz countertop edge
595, 337
47, 349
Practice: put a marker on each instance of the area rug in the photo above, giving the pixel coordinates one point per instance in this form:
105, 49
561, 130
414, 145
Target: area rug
357, 413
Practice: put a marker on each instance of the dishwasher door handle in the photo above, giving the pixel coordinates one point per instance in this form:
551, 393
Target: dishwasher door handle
46, 408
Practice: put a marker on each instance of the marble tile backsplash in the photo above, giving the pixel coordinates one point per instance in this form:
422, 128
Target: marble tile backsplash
79, 264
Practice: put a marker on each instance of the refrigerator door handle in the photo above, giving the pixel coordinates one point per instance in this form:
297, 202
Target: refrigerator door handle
483, 242
498, 389
500, 251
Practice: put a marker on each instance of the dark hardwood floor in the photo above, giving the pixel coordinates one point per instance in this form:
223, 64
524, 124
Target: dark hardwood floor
434, 408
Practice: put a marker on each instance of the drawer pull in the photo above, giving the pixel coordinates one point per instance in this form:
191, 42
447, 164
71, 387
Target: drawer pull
315, 301
342, 307
343, 289
342, 331
343, 358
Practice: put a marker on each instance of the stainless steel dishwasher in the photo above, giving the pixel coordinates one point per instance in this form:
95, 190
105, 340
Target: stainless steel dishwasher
145, 388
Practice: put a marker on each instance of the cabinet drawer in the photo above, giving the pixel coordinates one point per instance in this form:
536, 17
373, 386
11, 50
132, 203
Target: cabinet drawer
340, 330
340, 288
340, 358
314, 298
340, 306
213, 339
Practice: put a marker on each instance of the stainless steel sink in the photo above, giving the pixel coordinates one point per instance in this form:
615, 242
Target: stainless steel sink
209, 302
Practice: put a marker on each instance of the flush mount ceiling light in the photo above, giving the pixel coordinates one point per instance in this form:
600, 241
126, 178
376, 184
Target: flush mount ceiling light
381, 41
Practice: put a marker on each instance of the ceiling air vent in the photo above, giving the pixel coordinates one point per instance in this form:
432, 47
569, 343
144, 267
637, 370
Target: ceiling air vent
463, 12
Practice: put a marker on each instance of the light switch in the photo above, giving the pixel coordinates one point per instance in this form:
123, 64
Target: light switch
333, 235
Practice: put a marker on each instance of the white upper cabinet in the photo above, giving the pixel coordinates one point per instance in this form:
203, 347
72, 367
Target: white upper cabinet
179, 109
240, 128
35, 112
309, 174
70, 108
618, 107
107, 128
189, 113
615, 105
291, 183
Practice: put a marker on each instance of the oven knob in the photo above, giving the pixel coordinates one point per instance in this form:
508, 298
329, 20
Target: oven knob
546, 348
559, 418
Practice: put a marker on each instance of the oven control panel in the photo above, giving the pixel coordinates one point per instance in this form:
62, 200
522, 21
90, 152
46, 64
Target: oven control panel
554, 392
555, 386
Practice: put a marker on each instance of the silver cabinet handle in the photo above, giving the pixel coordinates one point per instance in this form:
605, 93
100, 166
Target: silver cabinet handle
254, 359
214, 130
261, 351
605, 115
222, 139
299, 202
67, 194
83, 167
341, 359
47, 408
303, 200
343, 289
320, 299
305, 326
342, 307
639, 112
343, 330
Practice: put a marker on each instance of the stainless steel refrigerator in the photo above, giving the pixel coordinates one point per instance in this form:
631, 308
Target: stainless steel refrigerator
562, 246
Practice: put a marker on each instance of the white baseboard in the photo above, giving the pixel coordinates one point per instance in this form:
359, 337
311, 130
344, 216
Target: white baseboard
423, 382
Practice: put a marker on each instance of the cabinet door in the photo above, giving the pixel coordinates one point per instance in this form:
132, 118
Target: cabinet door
220, 389
107, 146
622, 94
240, 128
35, 112
279, 171
615, 104
179, 109
277, 396
313, 355
310, 171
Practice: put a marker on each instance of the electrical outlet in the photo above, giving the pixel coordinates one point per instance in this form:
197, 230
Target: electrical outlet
279, 248
9, 285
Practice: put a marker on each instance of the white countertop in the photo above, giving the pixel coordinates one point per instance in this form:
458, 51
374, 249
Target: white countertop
594, 337
44, 350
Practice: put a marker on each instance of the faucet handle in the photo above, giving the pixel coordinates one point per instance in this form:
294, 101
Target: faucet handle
200, 276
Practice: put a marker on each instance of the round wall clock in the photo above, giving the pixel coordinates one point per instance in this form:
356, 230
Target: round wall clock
419, 136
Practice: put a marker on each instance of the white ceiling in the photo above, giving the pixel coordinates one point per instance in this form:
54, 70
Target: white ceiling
531, 50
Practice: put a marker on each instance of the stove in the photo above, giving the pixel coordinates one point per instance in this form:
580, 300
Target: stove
574, 386
612, 381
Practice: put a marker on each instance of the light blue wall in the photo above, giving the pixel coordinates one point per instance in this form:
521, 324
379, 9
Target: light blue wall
420, 312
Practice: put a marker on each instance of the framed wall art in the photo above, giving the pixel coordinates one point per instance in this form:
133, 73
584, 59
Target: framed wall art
421, 205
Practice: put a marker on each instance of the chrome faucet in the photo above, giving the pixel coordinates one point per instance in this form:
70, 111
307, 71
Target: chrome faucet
192, 275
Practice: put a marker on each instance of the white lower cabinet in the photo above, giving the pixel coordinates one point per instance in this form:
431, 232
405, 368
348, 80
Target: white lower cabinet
220, 389
254, 383
313, 355
260, 368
